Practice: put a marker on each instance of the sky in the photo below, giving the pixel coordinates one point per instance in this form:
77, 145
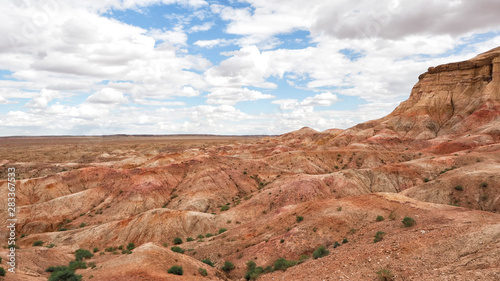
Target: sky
228, 67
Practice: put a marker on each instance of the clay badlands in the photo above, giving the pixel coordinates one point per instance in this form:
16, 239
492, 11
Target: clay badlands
435, 160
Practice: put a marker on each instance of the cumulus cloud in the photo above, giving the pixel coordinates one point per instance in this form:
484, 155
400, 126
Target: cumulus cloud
323, 99
107, 96
231, 96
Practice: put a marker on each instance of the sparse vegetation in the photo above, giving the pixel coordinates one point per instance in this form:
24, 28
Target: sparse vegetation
339, 209
95, 250
228, 266
74, 265
177, 270
222, 230
459, 188
177, 241
282, 264
408, 221
2, 271
207, 261
66, 275
426, 180
81, 254
189, 239
130, 246
345, 241
379, 236
224, 208
320, 252
83, 224
202, 272
484, 184
177, 250
336, 244
299, 218
385, 275
38, 243
208, 235
380, 218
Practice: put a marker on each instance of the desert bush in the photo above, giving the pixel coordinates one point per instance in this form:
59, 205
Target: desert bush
64, 275
202, 272
336, 244
299, 218
38, 243
208, 235
254, 271
130, 246
380, 218
177, 270
345, 241
283, 264
385, 275
459, 188
378, 236
200, 236
81, 254
95, 250
222, 230
228, 266
177, 241
408, 221
189, 239
320, 252
484, 184
209, 262
56, 268
74, 265
426, 180
2, 271
224, 208
83, 224
177, 250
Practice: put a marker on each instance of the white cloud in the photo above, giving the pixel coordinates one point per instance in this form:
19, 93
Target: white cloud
323, 99
231, 96
212, 43
107, 96
42, 100
203, 27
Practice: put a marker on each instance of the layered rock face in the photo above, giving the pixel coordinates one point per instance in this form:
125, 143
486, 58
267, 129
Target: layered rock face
446, 95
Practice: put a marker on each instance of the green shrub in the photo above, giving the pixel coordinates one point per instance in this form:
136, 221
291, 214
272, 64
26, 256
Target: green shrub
64, 275
177, 270
83, 224
50, 246
109, 249
320, 252
56, 268
484, 184
189, 239
208, 235
2, 271
200, 236
222, 230
345, 241
255, 271
74, 265
228, 266
385, 275
177, 241
120, 247
380, 218
177, 250
339, 209
81, 254
202, 272
459, 188
126, 252
283, 264
38, 243
209, 262
426, 180
130, 246
224, 208
336, 244
378, 236
408, 222
299, 218
95, 250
